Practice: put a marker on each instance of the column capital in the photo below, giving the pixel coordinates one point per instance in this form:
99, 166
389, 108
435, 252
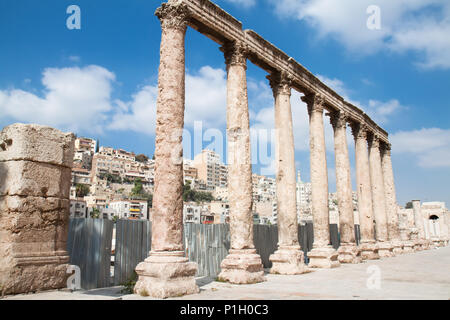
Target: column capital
235, 53
315, 102
173, 16
338, 119
359, 130
281, 83
386, 148
374, 141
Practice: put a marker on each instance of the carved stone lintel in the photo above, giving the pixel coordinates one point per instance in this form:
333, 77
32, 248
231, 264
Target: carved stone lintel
281, 83
235, 53
315, 102
338, 119
173, 16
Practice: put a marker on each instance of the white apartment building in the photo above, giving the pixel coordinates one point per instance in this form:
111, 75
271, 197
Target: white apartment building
194, 213
78, 208
129, 209
210, 169
264, 188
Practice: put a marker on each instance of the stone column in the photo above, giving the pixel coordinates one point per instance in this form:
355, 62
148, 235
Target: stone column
167, 272
288, 259
35, 177
323, 255
243, 264
378, 198
391, 200
348, 250
419, 225
369, 249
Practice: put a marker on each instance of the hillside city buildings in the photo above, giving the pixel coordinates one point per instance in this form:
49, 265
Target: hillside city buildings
108, 175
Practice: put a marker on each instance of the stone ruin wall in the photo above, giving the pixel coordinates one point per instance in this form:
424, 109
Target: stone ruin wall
35, 177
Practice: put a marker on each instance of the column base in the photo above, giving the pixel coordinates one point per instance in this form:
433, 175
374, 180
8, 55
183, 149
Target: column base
419, 245
385, 249
242, 266
288, 260
323, 257
349, 253
166, 274
369, 250
408, 246
34, 273
397, 247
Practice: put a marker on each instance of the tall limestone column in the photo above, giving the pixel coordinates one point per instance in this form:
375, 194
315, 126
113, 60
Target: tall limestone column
323, 255
369, 249
378, 198
243, 264
419, 225
288, 259
348, 250
167, 272
391, 200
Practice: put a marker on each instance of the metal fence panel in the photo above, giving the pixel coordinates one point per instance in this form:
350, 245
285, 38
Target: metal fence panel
89, 246
133, 241
208, 245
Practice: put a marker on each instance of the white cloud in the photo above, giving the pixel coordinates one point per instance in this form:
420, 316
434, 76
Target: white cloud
205, 101
429, 146
243, 3
381, 111
73, 99
206, 97
138, 115
74, 58
403, 26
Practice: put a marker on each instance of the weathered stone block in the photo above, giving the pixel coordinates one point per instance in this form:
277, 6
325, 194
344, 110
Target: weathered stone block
242, 266
36, 143
166, 274
326, 257
27, 178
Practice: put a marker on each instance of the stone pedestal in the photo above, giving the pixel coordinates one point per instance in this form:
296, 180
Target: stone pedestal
242, 267
288, 260
324, 257
408, 246
35, 171
166, 274
369, 250
385, 249
349, 253
397, 247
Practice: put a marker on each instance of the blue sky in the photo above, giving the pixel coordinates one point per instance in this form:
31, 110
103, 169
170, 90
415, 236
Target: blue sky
101, 81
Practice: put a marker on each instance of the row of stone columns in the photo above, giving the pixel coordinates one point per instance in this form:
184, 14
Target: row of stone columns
167, 272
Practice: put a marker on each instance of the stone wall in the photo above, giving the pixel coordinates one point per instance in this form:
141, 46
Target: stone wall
35, 176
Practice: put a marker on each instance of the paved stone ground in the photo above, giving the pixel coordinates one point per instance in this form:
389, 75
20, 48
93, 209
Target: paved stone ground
420, 275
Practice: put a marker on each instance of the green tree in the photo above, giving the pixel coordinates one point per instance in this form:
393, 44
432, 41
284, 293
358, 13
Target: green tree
141, 158
82, 190
138, 189
409, 205
95, 213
